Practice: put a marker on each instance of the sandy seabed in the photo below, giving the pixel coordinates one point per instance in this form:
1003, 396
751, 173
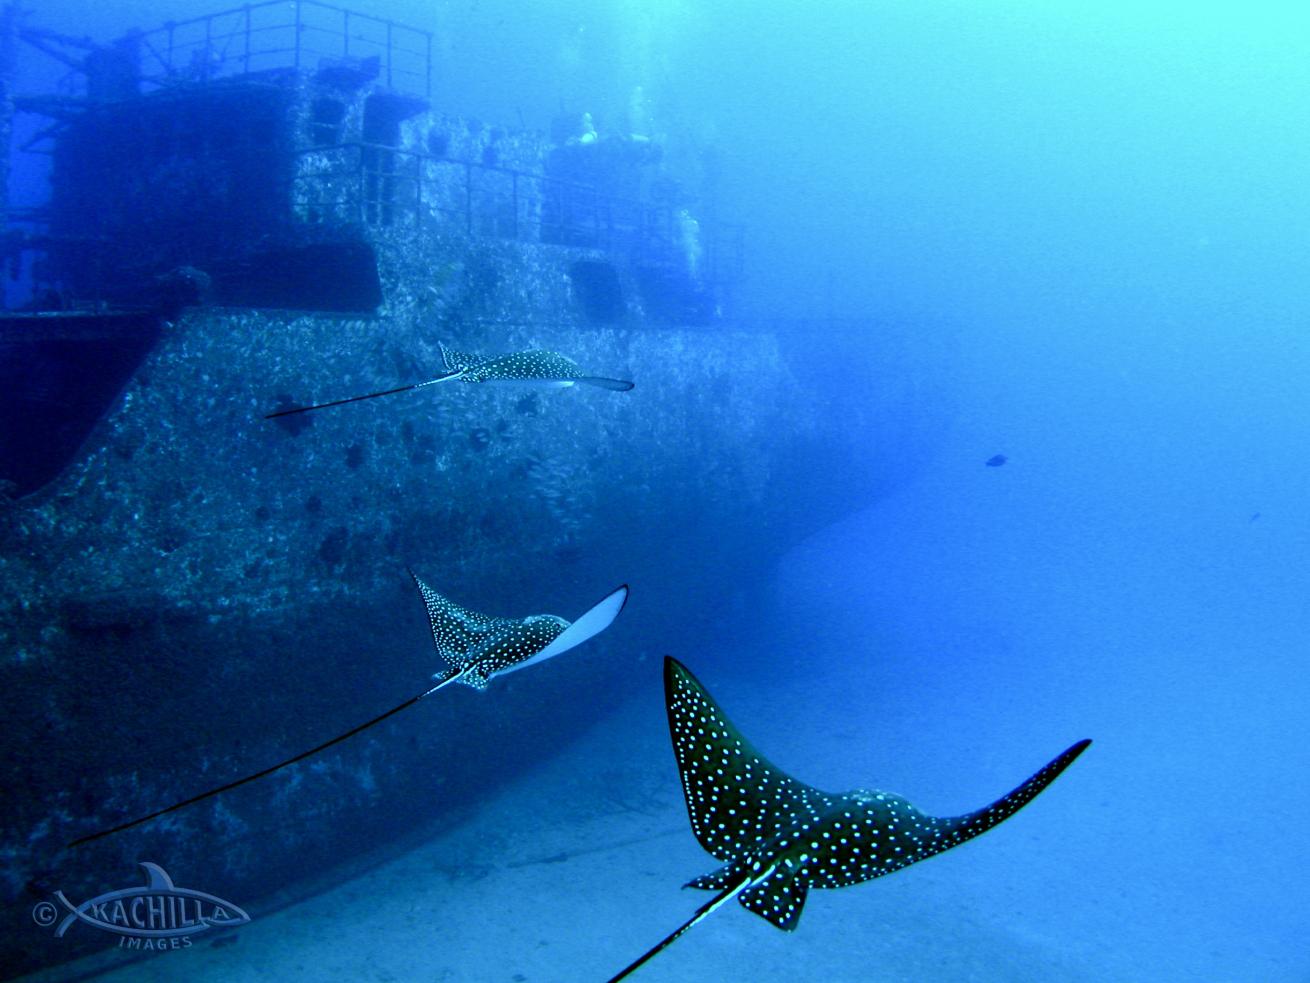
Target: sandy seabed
574, 871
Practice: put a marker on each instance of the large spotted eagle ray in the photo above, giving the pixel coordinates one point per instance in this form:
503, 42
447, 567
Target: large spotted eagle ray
778, 837
474, 646
534, 367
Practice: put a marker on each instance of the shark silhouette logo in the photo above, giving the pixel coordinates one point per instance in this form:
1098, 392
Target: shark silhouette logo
159, 910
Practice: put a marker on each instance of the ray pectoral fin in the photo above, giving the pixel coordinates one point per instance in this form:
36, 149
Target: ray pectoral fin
717, 880
617, 385
732, 792
454, 629
968, 826
589, 625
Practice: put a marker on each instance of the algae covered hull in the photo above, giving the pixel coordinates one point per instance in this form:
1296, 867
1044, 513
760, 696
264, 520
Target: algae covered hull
203, 591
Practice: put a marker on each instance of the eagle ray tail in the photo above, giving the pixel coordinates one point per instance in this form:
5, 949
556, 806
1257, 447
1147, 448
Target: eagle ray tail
266, 771
723, 897
355, 399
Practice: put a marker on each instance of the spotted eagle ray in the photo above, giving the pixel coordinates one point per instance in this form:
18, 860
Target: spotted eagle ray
778, 837
474, 646
477, 646
534, 366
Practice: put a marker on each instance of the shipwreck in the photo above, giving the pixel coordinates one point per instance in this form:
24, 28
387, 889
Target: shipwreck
271, 205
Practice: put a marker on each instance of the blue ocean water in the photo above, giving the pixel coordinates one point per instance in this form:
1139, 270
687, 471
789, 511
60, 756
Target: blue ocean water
1094, 222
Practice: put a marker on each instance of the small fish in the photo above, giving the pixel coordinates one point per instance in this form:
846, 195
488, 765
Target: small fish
777, 837
532, 367
996, 460
474, 646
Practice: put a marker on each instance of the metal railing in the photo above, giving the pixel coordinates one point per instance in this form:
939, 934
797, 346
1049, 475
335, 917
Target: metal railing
280, 34
387, 186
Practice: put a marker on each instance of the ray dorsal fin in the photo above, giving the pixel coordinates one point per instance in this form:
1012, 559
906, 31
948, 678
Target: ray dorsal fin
736, 799
455, 630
